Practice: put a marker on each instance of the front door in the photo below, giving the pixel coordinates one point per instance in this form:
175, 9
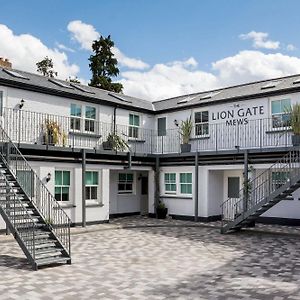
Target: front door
144, 196
233, 182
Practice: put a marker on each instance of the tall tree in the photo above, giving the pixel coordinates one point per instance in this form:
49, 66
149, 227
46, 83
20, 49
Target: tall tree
45, 67
103, 65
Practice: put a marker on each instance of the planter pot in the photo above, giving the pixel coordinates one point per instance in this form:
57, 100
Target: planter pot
48, 140
296, 140
185, 148
107, 146
161, 213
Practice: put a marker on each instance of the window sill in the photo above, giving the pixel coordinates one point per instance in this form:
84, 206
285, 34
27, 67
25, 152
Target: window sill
203, 137
67, 205
132, 140
176, 197
85, 134
94, 204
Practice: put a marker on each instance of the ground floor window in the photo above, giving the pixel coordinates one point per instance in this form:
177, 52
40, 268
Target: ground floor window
125, 183
91, 185
62, 185
186, 183
170, 183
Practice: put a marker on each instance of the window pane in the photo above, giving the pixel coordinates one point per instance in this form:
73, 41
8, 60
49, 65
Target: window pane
285, 105
198, 118
58, 177
137, 120
189, 177
183, 189
93, 193
95, 178
161, 126
90, 112
131, 119
129, 177
276, 107
65, 194
122, 177
205, 116
233, 187
89, 125
88, 178
173, 177
75, 110
57, 193
66, 177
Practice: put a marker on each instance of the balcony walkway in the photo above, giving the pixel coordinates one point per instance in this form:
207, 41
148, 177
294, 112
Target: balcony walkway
139, 258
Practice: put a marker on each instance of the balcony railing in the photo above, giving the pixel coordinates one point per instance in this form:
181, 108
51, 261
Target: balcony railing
33, 127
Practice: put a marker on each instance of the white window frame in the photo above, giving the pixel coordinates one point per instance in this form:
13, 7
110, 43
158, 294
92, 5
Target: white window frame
98, 200
201, 123
123, 192
70, 186
179, 185
165, 183
83, 118
76, 117
271, 119
134, 126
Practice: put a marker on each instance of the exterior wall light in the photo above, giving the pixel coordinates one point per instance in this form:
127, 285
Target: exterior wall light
21, 104
48, 178
176, 123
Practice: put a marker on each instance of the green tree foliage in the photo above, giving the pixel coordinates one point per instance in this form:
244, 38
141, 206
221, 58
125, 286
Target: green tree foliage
45, 67
103, 65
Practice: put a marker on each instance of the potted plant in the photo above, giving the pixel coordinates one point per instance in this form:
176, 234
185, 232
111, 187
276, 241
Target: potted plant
115, 142
185, 130
161, 210
294, 113
52, 133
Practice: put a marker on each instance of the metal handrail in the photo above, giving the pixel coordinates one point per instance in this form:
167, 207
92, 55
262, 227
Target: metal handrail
49, 209
264, 186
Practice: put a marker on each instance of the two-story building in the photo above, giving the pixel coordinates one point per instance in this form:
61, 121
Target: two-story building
62, 129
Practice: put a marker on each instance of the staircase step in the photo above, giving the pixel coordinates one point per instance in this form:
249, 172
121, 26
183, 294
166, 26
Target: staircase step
52, 260
49, 250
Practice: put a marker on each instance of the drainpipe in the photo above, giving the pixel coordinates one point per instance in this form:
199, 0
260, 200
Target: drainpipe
156, 196
196, 186
245, 190
114, 120
83, 188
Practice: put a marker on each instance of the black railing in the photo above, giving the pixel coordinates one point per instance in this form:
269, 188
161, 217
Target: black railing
39, 128
255, 191
36, 191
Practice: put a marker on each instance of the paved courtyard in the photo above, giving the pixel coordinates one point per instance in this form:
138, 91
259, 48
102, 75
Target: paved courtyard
138, 258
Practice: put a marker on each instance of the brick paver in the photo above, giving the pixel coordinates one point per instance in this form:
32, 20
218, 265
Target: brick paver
137, 258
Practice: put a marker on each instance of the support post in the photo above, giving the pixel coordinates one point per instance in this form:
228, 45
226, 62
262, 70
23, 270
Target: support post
246, 183
83, 188
196, 186
156, 196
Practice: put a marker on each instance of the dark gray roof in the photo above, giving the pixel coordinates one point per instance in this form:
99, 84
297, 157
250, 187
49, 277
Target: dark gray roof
86, 93
243, 91
43, 82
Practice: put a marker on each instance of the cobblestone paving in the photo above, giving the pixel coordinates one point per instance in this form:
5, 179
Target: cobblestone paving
136, 258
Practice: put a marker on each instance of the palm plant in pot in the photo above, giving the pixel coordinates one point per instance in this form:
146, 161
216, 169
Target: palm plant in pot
115, 142
53, 133
185, 131
161, 210
294, 114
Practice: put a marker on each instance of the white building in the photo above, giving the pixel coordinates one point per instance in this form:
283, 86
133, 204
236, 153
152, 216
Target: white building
232, 127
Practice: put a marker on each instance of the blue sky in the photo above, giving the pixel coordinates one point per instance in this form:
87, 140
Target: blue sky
176, 46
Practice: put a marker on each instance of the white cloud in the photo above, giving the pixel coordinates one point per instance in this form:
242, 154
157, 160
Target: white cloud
85, 34
25, 50
290, 47
64, 48
173, 79
260, 40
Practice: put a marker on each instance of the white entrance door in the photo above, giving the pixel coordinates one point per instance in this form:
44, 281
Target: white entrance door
233, 183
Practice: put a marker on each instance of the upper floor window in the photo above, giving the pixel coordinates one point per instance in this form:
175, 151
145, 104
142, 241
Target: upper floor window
83, 118
62, 185
76, 116
201, 123
280, 115
134, 124
161, 126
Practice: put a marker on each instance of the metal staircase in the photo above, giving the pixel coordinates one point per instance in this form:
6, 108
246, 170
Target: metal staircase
32, 214
263, 192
